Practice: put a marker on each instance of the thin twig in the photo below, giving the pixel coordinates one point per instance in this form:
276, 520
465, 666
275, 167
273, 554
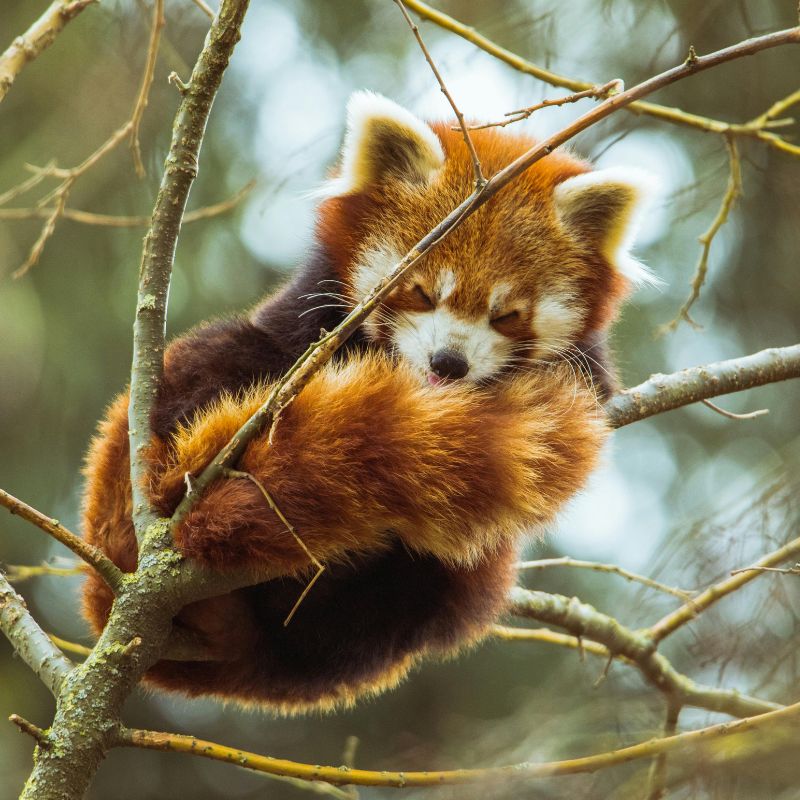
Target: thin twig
795, 570
567, 561
597, 92
59, 195
480, 180
16, 573
30, 729
36, 39
671, 622
39, 174
70, 647
114, 221
731, 415
658, 770
509, 634
235, 473
147, 81
732, 192
85, 551
207, 10
338, 776
756, 128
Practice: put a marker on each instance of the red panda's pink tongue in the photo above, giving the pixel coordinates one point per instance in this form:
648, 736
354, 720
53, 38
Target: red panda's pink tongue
435, 380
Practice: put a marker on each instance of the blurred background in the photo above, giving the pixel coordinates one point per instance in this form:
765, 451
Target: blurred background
684, 497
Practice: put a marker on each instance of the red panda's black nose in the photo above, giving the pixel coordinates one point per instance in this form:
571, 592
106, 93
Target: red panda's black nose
449, 364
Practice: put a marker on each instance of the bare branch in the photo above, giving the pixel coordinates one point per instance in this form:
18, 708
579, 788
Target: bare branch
16, 573
567, 561
86, 552
147, 82
597, 92
658, 771
666, 392
480, 180
732, 194
60, 194
30, 729
670, 623
730, 415
342, 776
113, 221
31, 643
508, 634
204, 7
70, 647
638, 647
320, 352
36, 39
159, 249
756, 128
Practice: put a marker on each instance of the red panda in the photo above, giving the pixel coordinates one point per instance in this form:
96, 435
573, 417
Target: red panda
447, 427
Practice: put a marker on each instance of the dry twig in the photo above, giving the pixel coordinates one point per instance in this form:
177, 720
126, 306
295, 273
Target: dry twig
342, 776
86, 552
732, 193
567, 561
59, 196
147, 82
731, 415
671, 622
113, 221
36, 39
757, 128
597, 92
480, 180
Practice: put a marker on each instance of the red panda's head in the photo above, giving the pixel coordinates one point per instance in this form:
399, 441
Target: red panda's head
540, 267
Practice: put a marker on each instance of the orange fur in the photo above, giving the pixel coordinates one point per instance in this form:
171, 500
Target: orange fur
364, 455
413, 496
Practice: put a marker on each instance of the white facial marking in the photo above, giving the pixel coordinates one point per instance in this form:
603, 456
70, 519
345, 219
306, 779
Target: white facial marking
499, 296
418, 335
445, 284
557, 318
374, 265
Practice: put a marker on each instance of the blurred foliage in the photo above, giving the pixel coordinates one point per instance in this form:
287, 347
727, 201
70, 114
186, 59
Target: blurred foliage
664, 503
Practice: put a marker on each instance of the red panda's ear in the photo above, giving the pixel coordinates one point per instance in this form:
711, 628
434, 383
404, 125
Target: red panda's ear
384, 142
605, 207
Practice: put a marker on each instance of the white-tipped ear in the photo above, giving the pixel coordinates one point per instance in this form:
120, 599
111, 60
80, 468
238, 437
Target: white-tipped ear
384, 141
605, 208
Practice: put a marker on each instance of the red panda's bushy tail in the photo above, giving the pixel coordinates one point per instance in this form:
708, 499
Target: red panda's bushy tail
367, 452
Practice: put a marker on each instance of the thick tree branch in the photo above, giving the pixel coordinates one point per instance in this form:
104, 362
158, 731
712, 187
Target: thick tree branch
86, 552
665, 392
344, 776
36, 39
31, 643
161, 240
320, 352
584, 620
139, 627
